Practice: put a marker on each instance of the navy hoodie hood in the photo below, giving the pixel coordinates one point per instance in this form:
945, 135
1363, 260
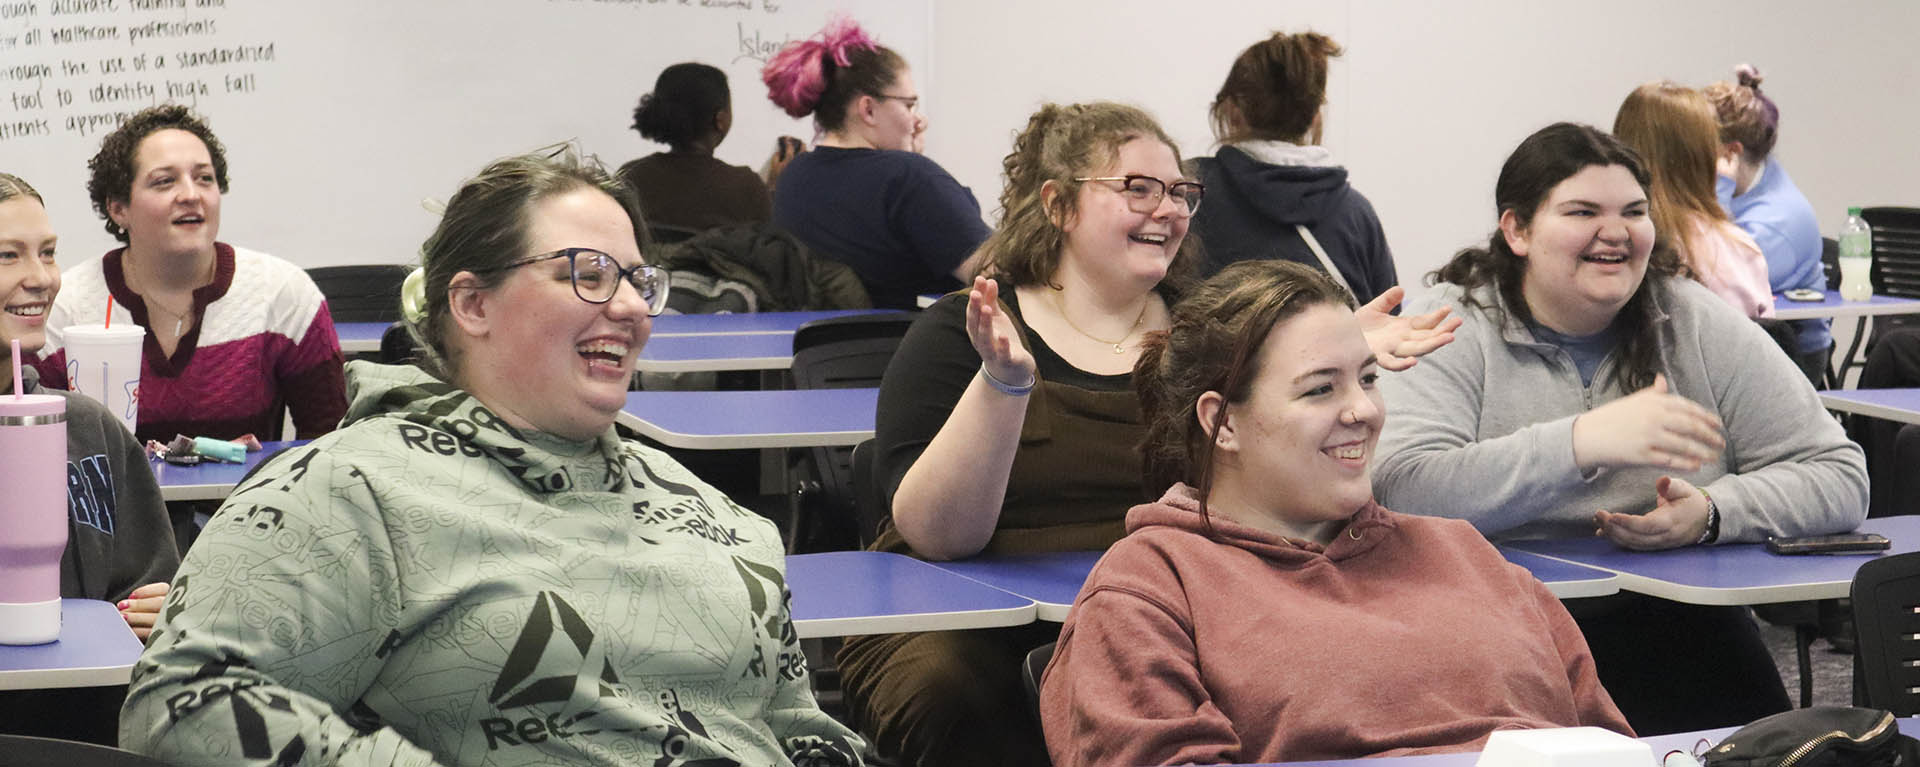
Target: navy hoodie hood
1286, 194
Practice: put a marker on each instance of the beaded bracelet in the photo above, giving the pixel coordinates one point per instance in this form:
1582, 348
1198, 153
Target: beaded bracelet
1712, 533
1007, 388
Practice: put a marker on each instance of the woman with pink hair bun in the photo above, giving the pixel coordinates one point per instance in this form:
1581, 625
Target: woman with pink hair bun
864, 196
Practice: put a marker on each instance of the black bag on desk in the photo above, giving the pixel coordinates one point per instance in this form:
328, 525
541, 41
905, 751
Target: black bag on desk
1822, 736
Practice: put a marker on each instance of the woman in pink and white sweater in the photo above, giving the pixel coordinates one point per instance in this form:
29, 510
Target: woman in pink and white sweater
1266, 608
234, 337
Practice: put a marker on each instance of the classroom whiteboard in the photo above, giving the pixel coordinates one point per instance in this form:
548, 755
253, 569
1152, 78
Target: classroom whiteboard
339, 117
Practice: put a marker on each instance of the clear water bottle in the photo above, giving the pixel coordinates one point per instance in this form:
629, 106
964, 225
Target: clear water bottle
1856, 258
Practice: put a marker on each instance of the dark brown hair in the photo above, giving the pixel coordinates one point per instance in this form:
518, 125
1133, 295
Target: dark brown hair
1551, 155
1059, 144
113, 166
1213, 343
486, 227
1274, 89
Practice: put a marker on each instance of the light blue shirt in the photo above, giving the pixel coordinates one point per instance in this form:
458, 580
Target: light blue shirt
1782, 222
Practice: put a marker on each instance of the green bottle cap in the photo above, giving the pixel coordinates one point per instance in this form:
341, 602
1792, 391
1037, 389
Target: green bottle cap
1853, 210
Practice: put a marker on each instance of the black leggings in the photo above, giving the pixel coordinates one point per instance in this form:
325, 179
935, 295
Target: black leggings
1675, 667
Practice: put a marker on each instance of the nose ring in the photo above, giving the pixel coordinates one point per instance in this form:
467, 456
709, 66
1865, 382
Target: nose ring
1349, 417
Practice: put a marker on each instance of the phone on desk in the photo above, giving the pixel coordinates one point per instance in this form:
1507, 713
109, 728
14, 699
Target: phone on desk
1849, 543
1805, 295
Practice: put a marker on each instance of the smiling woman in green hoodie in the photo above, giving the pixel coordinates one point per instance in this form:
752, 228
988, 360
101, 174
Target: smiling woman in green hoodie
475, 568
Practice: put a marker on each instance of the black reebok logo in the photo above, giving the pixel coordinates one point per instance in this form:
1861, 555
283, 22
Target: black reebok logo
570, 655
556, 659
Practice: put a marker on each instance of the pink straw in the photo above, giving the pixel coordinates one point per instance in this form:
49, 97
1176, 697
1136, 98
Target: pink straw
17, 385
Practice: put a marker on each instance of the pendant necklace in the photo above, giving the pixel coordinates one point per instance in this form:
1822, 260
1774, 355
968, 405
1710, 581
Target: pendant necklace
1118, 344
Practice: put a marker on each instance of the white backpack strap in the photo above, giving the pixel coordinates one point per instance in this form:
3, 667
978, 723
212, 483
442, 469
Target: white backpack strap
1325, 262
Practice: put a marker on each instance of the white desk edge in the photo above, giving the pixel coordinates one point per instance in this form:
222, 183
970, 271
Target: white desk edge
1813, 312
1871, 409
86, 676
1716, 597
914, 622
742, 441
714, 365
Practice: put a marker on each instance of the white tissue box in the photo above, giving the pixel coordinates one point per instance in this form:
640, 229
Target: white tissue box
1564, 747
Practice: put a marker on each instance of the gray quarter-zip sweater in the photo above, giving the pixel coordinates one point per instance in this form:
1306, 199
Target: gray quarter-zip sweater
1482, 429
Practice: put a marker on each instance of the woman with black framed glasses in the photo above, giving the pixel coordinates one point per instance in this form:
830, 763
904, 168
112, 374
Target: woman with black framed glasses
476, 569
865, 196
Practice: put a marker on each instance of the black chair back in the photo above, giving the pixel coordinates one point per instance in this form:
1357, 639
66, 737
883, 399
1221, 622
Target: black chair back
24, 751
869, 504
1030, 672
397, 346
1896, 264
838, 353
1896, 250
363, 292
1886, 618
1830, 261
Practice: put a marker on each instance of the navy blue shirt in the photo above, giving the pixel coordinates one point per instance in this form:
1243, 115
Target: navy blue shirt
899, 220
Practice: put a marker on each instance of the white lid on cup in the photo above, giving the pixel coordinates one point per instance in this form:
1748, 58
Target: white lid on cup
100, 333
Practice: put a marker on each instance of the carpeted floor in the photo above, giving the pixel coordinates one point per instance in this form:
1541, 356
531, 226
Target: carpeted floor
1832, 672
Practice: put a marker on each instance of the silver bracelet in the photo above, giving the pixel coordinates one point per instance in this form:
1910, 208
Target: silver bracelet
1007, 388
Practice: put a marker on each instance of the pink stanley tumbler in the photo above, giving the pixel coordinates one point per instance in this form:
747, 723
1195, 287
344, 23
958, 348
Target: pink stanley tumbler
33, 516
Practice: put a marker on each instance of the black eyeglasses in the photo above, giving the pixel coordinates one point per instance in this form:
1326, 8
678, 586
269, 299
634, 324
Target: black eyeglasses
1144, 193
596, 277
912, 102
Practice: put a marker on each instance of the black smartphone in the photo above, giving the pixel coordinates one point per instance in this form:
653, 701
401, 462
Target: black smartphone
1849, 543
182, 459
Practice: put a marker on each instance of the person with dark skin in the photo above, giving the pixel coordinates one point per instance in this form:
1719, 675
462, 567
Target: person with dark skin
691, 111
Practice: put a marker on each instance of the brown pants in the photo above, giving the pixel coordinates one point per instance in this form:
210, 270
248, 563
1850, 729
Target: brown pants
946, 697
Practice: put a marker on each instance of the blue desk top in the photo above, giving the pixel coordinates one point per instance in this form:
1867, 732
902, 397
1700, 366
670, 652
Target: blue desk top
1729, 574
688, 354
358, 337
1901, 405
1565, 579
725, 420
95, 648
212, 480
1832, 306
1052, 580
848, 593
729, 324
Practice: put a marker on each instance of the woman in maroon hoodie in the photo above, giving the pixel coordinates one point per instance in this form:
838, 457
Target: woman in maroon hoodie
1266, 609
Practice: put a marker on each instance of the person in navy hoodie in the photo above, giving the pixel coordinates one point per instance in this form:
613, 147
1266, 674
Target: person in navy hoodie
1272, 190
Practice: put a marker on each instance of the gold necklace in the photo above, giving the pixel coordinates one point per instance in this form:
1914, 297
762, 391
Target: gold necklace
1118, 348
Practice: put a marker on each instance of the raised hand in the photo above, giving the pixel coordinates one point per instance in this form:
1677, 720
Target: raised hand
1397, 341
994, 336
1650, 427
1679, 518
